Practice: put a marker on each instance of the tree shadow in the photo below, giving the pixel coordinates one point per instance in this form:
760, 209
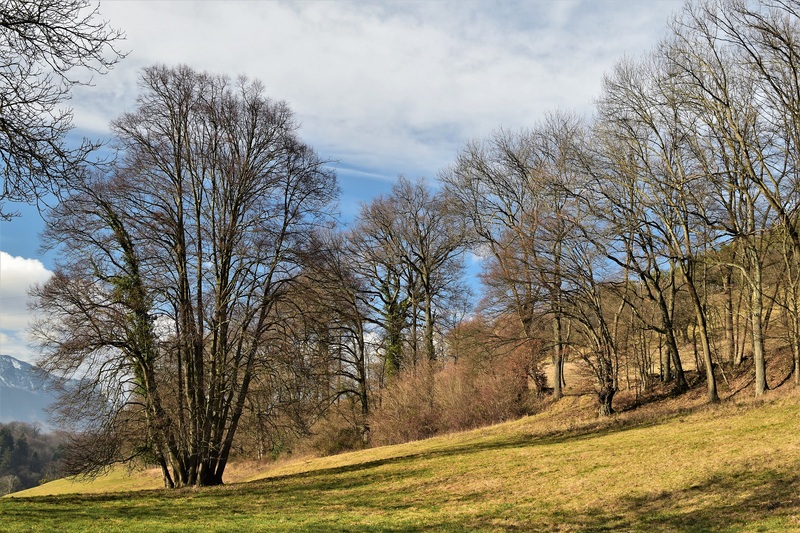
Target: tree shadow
736, 498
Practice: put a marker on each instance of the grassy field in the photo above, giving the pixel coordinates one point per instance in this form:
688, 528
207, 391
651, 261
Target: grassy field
725, 468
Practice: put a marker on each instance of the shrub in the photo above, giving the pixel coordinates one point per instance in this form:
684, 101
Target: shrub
425, 401
342, 429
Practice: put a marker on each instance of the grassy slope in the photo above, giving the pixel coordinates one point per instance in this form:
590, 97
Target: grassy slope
726, 468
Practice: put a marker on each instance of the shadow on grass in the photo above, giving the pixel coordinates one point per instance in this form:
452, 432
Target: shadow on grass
722, 502
735, 501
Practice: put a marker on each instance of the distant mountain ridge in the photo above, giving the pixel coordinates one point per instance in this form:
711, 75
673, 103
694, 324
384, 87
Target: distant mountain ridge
26, 392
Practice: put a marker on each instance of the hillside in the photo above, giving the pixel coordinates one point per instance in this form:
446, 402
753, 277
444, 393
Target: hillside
668, 467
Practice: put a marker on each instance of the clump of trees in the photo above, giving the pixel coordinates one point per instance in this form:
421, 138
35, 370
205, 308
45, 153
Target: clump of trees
28, 456
212, 305
681, 191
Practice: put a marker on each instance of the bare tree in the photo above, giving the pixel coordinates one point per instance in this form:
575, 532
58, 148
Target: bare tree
389, 284
340, 301
514, 190
46, 48
174, 267
588, 303
648, 192
735, 66
491, 191
432, 238
413, 238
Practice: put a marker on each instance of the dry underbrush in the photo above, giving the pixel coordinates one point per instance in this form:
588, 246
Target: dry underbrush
422, 403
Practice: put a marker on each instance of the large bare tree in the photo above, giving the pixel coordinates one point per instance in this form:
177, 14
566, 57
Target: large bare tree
173, 267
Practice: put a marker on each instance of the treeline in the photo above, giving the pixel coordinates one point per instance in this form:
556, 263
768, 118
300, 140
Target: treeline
676, 204
27, 456
212, 305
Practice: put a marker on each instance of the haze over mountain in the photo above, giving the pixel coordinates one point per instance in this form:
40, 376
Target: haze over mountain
25, 393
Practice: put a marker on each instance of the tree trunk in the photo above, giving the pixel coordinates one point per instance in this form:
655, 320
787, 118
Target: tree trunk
605, 397
558, 363
756, 324
702, 325
414, 334
667, 310
607, 377
430, 349
730, 338
797, 365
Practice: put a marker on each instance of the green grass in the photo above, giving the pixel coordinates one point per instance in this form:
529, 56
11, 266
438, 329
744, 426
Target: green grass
728, 468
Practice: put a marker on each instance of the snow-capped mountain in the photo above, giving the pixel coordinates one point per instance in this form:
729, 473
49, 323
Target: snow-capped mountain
25, 393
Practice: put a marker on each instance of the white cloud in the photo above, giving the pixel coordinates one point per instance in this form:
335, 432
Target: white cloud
17, 274
390, 85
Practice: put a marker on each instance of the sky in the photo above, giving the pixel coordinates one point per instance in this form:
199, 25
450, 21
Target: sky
380, 88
